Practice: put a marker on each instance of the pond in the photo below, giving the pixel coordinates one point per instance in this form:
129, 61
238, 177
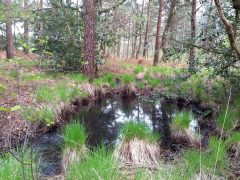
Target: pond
103, 120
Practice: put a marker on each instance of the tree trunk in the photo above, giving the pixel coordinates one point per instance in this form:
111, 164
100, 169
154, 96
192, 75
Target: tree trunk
157, 43
145, 46
140, 31
89, 38
9, 35
25, 27
193, 36
119, 47
167, 28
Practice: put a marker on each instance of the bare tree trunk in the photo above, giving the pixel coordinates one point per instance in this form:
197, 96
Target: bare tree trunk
193, 36
147, 29
9, 35
89, 38
140, 31
166, 30
119, 47
25, 27
128, 42
157, 43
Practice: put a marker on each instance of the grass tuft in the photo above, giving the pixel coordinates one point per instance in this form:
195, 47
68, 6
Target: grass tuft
182, 120
139, 130
99, 164
75, 135
127, 79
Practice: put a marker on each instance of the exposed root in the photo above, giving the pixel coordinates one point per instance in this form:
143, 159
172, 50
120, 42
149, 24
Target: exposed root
185, 137
137, 153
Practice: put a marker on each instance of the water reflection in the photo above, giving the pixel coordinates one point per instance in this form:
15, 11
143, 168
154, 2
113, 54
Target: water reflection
104, 119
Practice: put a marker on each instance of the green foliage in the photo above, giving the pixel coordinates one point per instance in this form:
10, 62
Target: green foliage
56, 94
106, 78
78, 77
13, 73
12, 169
35, 114
2, 88
127, 79
234, 138
98, 165
140, 130
154, 82
182, 120
224, 120
35, 77
138, 69
75, 135
206, 160
45, 94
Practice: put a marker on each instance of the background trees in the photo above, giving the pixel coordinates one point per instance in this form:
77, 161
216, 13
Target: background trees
62, 32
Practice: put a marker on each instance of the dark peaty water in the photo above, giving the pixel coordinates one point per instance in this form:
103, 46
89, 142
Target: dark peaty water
103, 121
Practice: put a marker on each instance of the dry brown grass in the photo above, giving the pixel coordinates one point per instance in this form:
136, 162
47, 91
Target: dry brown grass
71, 155
186, 137
138, 154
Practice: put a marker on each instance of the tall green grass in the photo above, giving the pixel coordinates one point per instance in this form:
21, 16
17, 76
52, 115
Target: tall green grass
182, 120
127, 79
11, 168
107, 78
99, 164
140, 130
78, 77
58, 93
75, 135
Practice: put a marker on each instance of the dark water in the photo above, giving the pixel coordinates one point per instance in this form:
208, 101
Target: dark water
103, 121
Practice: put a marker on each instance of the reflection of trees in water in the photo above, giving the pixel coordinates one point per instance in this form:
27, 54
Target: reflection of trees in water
103, 119
100, 123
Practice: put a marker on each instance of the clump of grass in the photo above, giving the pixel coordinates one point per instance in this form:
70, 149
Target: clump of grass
35, 77
45, 94
75, 135
11, 168
154, 82
78, 77
182, 120
127, 79
224, 120
106, 79
138, 146
139, 130
214, 156
56, 94
2, 88
99, 164
138, 69
38, 114
13, 73
75, 138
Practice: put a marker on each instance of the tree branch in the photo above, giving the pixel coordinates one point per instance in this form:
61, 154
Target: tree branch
106, 10
228, 27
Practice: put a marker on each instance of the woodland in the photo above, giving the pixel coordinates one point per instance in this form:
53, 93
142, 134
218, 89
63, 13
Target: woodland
119, 89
